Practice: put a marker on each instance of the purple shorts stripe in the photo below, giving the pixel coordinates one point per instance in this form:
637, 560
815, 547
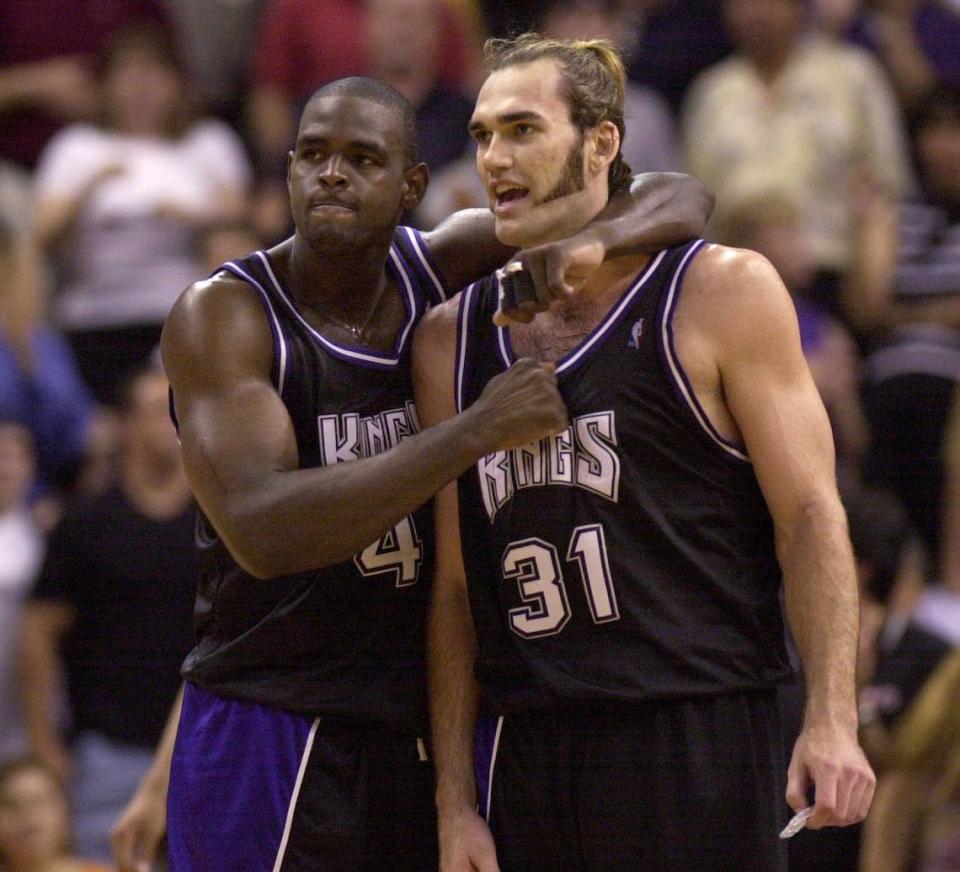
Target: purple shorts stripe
233, 775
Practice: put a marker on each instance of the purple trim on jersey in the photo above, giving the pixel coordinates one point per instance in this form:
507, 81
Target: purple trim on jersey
675, 372
468, 305
421, 252
577, 356
236, 771
278, 371
349, 353
486, 743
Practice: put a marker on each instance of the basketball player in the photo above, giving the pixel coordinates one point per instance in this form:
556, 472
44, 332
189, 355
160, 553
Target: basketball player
299, 741
609, 594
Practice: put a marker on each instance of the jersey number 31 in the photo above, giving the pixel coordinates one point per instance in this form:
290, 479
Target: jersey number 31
535, 565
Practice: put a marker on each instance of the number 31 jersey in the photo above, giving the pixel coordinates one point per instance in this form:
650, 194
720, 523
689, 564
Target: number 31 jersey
631, 556
345, 641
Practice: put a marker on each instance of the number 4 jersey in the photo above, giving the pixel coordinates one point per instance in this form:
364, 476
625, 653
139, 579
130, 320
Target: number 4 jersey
345, 641
630, 556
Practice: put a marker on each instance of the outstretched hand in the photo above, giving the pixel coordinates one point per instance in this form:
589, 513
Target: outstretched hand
550, 272
830, 761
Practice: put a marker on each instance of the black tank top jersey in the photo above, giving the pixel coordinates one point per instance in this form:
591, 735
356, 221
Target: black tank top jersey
346, 641
631, 556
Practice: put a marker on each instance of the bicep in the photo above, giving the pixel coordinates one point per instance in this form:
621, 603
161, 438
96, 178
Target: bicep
773, 399
235, 430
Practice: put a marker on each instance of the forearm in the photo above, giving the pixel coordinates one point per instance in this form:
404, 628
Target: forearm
310, 518
39, 674
453, 698
659, 210
157, 777
823, 610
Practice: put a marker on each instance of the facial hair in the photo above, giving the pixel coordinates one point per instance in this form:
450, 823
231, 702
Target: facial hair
571, 176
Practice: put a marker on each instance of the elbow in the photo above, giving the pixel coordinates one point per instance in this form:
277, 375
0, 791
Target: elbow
696, 202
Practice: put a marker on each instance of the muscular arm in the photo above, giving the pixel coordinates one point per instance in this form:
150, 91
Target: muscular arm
659, 209
451, 648
240, 453
738, 317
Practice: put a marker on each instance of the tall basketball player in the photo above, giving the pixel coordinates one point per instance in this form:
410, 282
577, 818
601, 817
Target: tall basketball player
607, 597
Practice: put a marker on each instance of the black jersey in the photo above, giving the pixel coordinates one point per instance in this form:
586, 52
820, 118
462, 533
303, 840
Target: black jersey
632, 555
345, 641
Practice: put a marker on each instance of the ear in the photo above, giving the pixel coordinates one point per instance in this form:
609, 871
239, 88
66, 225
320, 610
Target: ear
415, 180
289, 164
604, 144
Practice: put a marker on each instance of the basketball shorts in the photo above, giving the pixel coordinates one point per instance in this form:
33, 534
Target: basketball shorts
693, 785
258, 789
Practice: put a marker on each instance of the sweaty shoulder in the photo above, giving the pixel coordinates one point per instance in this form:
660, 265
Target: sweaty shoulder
216, 322
731, 284
734, 300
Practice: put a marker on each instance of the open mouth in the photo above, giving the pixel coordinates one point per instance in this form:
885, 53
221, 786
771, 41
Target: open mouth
508, 195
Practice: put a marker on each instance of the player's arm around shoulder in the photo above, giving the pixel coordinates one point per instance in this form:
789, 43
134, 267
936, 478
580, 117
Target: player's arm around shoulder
234, 430
738, 318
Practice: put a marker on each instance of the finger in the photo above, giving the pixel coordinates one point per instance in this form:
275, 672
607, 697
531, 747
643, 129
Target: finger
536, 268
525, 290
798, 786
555, 276
825, 806
864, 799
847, 783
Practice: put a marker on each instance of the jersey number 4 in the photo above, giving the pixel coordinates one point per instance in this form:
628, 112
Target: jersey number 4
535, 566
398, 552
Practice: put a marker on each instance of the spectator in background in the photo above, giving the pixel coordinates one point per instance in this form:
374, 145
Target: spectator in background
20, 554
35, 821
48, 53
304, 44
662, 27
112, 608
917, 41
904, 294
121, 204
773, 225
39, 383
404, 46
216, 39
914, 825
798, 113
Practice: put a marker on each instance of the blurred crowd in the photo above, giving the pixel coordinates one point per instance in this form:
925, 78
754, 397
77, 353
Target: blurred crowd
144, 142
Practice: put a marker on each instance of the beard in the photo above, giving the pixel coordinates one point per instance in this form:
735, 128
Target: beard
571, 176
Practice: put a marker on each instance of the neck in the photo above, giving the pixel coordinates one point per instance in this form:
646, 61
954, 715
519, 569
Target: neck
344, 278
770, 62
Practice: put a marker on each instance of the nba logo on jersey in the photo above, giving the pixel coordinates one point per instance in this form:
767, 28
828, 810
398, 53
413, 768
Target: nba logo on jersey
635, 332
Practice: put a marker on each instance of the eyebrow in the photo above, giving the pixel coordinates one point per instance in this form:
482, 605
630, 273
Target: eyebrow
508, 118
361, 144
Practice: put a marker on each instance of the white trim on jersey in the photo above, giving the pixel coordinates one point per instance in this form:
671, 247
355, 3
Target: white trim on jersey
612, 318
676, 369
414, 238
493, 763
465, 302
296, 793
408, 284
341, 350
600, 331
234, 267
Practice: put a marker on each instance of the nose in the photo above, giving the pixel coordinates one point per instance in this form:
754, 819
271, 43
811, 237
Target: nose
495, 154
331, 174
